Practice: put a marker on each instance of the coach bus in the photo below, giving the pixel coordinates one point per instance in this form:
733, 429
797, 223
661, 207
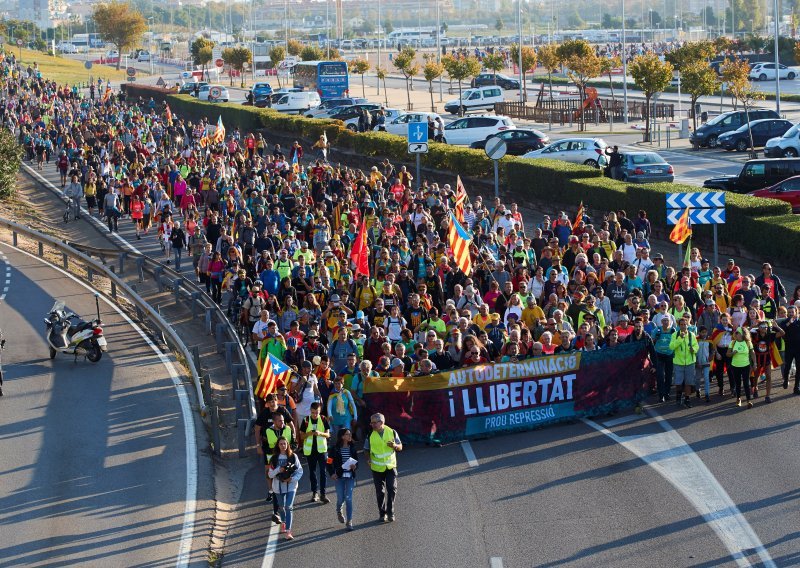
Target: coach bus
328, 78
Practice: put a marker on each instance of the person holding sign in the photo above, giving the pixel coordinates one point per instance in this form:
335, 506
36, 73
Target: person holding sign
381, 447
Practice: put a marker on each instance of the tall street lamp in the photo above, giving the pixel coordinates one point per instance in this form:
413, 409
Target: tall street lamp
519, 34
378, 79
624, 70
776, 17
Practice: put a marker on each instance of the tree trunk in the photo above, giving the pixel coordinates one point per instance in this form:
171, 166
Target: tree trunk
550, 80
524, 88
647, 117
278, 76
694, 113
611, 86
749, 129
582, 91
408, 95
363, 89
430, 90
460, 102
385, 94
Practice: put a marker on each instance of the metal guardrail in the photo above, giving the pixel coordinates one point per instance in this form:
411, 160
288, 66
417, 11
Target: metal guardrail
165, 278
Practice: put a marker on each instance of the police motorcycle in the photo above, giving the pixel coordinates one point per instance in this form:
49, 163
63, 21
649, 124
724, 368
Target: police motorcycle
69, 334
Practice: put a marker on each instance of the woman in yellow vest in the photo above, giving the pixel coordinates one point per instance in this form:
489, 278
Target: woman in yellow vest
381, 448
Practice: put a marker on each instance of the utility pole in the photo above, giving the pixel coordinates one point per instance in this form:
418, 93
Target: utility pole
624, 70
519, 32
776, 17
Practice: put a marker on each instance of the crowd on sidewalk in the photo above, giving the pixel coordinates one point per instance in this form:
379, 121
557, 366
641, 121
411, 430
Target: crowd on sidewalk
272, 234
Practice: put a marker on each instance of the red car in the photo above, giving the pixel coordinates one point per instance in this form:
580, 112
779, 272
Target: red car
788, 190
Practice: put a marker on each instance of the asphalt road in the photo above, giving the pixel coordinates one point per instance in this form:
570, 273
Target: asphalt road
95, 467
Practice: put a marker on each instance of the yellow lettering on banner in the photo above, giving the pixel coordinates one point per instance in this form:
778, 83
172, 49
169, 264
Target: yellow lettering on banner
481, 374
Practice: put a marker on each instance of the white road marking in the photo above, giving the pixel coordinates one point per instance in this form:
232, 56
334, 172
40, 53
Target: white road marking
495, 562
471, 459
669, 454
190, 508
622, 420
7, 284
272, 546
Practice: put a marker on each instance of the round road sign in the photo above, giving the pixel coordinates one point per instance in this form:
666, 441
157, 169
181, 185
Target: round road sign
88, 64
131, 71
19, 42
219, 63
186, 75
495, 148
214, 92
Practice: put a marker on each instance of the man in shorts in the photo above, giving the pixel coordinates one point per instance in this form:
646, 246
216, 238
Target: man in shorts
684, 346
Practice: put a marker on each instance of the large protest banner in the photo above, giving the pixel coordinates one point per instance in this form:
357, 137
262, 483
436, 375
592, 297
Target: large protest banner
501, 397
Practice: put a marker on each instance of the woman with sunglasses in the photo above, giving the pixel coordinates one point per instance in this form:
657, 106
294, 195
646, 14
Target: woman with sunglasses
285, 471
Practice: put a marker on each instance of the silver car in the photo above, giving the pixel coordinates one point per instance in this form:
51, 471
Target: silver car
585, 151
645, 167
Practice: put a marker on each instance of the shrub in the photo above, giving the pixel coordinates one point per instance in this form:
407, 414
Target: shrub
10, 159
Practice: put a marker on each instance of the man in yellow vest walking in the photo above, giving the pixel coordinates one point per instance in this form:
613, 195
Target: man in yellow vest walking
381, 448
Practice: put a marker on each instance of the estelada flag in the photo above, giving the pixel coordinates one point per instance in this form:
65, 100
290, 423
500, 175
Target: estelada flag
107, 92
578, 217
461, 197
169, 116
219, 134
460, 241
682, 230
273, 371
359, 254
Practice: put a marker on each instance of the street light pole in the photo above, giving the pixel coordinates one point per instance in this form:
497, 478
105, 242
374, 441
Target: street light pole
776, 17
624, 70
378, 79
439, 45
328, 28
519, 32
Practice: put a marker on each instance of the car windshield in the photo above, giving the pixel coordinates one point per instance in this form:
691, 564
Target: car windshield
792, 132
717, 119
648, 158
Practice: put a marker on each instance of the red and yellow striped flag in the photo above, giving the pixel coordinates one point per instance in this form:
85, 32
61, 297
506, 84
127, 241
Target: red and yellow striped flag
461, 197
219, 134
578, 217
169, 116
460, 240
682, 230
273, 371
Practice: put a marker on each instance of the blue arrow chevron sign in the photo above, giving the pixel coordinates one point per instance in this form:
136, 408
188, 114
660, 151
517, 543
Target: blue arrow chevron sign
697, 216
701, 200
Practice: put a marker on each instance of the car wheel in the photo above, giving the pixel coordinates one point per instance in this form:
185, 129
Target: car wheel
741, 145
712, 142
790, 76
352, 127
762, 77
592, 163
790, 153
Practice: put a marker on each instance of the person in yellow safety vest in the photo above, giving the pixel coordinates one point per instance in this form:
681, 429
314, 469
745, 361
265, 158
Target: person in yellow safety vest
314, 432
278, 430
381, 448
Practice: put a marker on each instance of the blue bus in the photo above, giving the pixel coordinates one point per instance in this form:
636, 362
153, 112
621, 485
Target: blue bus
328, 78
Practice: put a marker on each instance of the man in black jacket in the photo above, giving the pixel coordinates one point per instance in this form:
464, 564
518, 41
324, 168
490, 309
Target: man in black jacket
791, 326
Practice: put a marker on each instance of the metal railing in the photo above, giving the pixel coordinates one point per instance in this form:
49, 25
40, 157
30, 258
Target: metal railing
216, 321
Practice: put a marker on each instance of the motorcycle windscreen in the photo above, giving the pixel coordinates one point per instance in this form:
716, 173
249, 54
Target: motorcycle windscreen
57, 306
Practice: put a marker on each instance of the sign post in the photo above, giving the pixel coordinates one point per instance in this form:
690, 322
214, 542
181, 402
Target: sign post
418, 144
495, 149
705, 208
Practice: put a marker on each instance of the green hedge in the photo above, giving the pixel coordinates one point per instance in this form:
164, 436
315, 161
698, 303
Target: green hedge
10, 160
760, 225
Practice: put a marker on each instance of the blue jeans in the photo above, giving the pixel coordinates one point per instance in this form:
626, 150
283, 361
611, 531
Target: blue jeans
344, 496
316, 472
178, 252
704, 373
285, 507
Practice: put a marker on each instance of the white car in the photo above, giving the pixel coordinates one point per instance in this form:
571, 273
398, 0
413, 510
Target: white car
65, 47
766, 72
399, 125
391, 114
585, 151
143, 56
214, 93
465, 131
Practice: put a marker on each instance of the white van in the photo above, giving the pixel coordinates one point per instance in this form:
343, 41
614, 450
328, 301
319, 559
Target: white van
479, 98
297, 102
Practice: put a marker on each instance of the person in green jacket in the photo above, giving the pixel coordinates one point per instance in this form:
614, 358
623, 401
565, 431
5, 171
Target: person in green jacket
684, 346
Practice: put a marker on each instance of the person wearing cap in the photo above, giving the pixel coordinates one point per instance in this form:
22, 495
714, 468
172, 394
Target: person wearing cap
273, 343
294, 354
684, 345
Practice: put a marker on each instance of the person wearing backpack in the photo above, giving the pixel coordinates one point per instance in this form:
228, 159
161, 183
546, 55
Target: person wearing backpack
342, 409
339, 349
662, 338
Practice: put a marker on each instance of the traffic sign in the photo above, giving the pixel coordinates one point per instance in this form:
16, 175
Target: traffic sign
418, 148
87, 64
495, 148
698, 200
186, 74
214, 93
698, 216
418, 134
219, 63
131, 79
161, 82
131, 71
19, 42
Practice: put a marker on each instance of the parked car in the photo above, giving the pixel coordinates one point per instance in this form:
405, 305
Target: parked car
756, 174
465, 131
479, 98
345, 113
205, 93
646, 167
143, 56
261, 101
503, 81
327, 107
391, 114
66, 47
188, 88
708, 134
519, 141
585, 151
297, 102
763, 130
788, 190
786, 146
399, 125
261, 89
766, 72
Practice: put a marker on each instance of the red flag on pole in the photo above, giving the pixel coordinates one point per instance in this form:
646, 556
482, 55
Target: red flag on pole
360, 252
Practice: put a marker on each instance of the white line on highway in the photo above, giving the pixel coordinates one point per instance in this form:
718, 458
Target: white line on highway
669, 454
94, 220
495, 562
190, 508
7, 284
621, 420
471, 459
272, 546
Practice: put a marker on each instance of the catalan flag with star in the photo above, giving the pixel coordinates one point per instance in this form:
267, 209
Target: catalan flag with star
682, 230
460, 198
460, 241
219, 134
273, 371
